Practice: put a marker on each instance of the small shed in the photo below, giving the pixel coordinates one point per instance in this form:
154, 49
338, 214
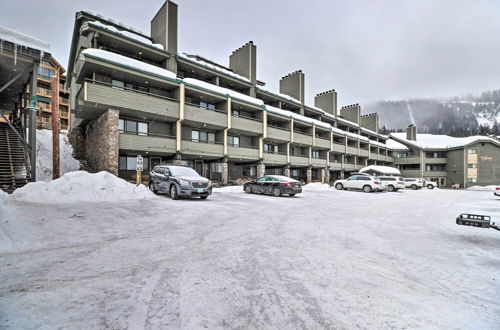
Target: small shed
378, 170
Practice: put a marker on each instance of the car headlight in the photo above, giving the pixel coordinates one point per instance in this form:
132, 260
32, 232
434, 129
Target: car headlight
184, 183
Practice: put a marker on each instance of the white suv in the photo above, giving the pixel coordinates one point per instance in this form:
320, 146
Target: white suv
413, 183
361, 182
392, 183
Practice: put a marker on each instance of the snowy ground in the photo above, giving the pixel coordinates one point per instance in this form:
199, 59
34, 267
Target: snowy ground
322, 259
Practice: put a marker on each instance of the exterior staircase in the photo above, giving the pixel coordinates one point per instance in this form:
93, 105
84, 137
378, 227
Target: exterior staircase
14, 168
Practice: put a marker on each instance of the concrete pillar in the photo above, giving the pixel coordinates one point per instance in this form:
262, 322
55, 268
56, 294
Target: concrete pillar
309, 174
225, 172
261, 169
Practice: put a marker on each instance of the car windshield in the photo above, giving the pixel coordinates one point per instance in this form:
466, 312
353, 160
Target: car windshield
182, 171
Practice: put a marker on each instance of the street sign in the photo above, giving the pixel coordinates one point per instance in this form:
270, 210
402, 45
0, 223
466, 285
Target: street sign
139, 163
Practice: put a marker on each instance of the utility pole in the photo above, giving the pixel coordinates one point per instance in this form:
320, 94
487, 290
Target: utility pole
55, 127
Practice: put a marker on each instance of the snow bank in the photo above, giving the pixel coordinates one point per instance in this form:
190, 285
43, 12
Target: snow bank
316, 186
128, 62
44, 155
81, 186
482, 188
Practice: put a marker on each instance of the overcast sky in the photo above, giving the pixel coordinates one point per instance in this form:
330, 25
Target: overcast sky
366, 50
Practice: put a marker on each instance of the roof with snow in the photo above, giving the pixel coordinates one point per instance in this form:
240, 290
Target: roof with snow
387, 170
22, 39
434, 141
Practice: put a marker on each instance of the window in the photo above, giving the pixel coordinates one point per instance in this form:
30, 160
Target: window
201, 136
471, 151
207, 105
117, 84
129, 163
472, 180
315, 154
233, 141
270, 148
472, 165
133, 127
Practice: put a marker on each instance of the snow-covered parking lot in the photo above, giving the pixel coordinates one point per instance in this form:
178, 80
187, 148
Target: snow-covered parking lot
322, 259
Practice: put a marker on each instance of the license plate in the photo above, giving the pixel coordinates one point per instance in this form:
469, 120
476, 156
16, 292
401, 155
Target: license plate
199, 190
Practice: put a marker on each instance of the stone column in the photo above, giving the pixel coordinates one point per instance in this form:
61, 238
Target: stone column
101, 145
287, 171
309, 174
327, 175
225, 172
261, 169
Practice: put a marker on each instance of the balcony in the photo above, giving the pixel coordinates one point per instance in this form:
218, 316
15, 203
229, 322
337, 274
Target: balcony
322, 143
352, 150
406, 160
214, 118
338, 148
243, 153
274, 158
335, 166
279, 134
213, 150
246, 124
94, 98
436, 160
302, 138
318, 162
299, 161
152, 144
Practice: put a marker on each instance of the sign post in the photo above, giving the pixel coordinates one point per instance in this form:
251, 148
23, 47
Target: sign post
139, 167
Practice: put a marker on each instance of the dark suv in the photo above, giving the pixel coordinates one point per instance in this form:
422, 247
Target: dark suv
179, 181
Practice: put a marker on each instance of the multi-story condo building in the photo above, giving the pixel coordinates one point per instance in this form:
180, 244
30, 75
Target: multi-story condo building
447, 160
135, 94
46, 70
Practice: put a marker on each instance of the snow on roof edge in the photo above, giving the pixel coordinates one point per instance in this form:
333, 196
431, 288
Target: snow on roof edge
20, 38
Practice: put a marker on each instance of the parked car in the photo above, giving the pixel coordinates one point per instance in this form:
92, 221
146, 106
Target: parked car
413, 183
276, 185
363, 182
430, 184
179, 181
497, 191
392, 183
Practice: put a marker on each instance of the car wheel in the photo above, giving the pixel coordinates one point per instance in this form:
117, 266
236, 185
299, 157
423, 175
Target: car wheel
367, 189
248, 189
173, 192
203, 197
429, 186
413, 187
339, 186
291, 195
153, 188
390, 188
276, 192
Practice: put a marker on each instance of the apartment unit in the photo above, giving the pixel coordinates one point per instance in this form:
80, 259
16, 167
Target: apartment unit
133, 94
447, 160
46, 70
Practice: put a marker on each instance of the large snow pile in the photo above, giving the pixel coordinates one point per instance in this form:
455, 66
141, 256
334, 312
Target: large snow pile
386, 170
44, 155
316, 186
81, 186
482, 188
